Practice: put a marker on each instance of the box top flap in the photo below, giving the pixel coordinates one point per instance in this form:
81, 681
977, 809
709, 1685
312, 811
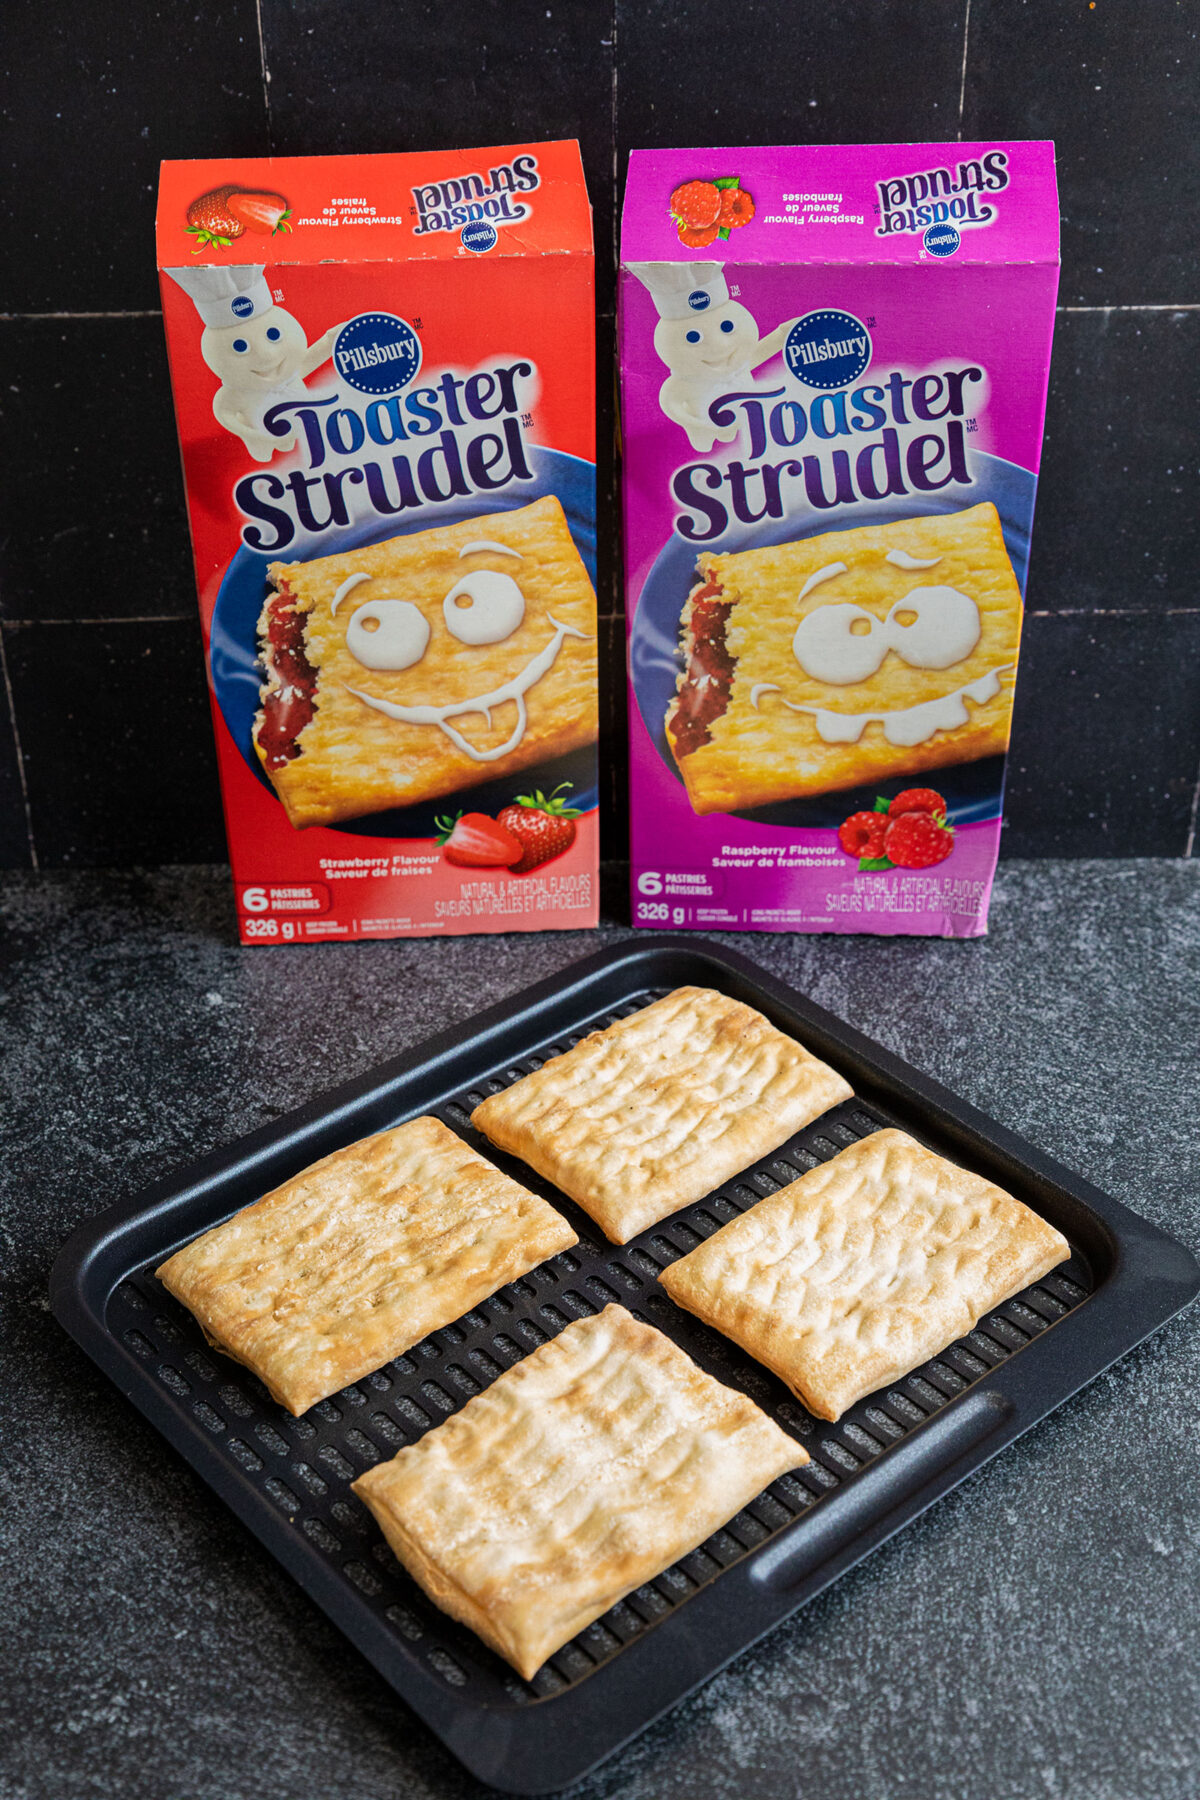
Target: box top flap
985, 202
510, 200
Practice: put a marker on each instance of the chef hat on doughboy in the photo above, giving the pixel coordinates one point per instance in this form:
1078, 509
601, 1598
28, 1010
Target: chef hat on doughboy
226, 296
681, 289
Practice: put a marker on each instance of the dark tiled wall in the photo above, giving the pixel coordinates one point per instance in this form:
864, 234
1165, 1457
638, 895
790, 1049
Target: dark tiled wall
105, 753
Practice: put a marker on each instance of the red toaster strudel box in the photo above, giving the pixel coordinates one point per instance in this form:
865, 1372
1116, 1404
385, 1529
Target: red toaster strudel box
383, 373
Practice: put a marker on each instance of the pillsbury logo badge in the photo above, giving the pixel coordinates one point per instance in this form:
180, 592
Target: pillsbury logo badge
241, 306
478, 236
941, 240
698, 300
377, 353
827, 349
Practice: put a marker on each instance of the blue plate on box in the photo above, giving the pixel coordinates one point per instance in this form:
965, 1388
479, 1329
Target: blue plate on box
973, 791
237, 674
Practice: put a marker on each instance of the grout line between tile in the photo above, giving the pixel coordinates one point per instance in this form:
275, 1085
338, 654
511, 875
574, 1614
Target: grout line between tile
12, 318
266, 74
1189, 846
20, 756
112, 619
1115, 612
1156, 306
616, 175
612, 613
962, 86
155, 312
617, 616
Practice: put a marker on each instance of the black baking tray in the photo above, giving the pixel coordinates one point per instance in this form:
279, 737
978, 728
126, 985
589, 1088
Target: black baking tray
888, 1459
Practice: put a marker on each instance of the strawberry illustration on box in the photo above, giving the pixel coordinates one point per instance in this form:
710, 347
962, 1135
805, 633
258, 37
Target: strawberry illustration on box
219, 217
543, 827
476, 841
265, 214
532, 831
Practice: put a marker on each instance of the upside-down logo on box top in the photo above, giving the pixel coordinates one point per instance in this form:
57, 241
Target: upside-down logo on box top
476, 205
827, 349
377, 353
943, 196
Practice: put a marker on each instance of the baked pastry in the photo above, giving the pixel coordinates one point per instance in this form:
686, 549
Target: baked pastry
359, 1257
418, 667
584, 1471
846, 658
660, 1108
868, 1265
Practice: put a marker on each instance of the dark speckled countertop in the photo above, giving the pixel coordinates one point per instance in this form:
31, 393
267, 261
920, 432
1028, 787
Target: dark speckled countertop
1036, 1634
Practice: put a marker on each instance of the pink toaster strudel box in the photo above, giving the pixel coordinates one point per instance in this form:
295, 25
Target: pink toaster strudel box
833, 372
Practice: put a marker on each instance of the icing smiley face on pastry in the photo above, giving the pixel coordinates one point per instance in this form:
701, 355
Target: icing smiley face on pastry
485, 606
411, 669
931, 626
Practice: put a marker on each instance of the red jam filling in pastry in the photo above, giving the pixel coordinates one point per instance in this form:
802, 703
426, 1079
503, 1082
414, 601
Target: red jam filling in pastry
289, 707
704, 694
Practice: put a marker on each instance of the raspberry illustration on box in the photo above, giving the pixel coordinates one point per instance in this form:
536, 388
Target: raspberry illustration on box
909, 832
704, 211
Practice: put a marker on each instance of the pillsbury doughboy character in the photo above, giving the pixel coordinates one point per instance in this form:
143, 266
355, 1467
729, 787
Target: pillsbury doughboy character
709, 342
259, 352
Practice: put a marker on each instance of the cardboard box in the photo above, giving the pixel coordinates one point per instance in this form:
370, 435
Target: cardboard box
383, 372
833, 379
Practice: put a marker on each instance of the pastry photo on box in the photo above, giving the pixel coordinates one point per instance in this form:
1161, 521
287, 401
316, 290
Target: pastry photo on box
388, 443
415, 668
793, 652
832, 431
